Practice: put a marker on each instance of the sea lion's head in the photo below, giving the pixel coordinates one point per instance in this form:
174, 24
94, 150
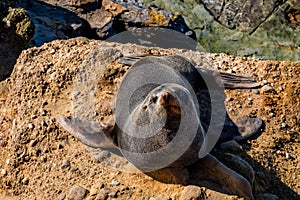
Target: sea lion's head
163, 102
164, 105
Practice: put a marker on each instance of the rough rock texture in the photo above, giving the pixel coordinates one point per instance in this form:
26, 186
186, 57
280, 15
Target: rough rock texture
95, 19
16, 29
241, 15
263, 29
42, 161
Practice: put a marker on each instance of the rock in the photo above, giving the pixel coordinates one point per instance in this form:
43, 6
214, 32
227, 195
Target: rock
97, 19
115, 183
77, 193
25, 181
246, 25
105, 193
65, 164
16, 30
235, 15
100, 155
3, 172
255, 91
53, 22
191, 193
267, 89
283, 125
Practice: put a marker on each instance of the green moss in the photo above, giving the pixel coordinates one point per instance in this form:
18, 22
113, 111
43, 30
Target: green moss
18, 20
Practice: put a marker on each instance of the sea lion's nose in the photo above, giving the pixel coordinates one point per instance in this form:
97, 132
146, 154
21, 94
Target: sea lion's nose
164, 97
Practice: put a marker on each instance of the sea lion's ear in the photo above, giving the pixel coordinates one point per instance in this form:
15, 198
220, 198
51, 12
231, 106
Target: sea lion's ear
92, 134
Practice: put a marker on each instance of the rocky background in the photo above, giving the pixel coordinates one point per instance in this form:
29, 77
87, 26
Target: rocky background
39, 160
263, 29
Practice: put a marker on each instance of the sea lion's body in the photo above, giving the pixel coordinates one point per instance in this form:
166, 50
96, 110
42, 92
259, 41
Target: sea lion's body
162, 117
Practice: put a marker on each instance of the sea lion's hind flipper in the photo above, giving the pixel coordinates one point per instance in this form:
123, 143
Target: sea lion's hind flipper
89, 133
248, 128
210, 172
241, 129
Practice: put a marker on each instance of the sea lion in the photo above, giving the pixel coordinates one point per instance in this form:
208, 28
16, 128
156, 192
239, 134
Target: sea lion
163, 128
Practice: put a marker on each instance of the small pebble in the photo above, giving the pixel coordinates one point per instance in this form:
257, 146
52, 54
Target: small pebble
271, 114
267, 88
115, 183
43, 112
229, 99
250, 99
52, 51
30, 126
65, 164
265, 81
283, 125
191, 192
3, 172
255, 91
32, 143
287, 155
77, 193
101, 155
25, 181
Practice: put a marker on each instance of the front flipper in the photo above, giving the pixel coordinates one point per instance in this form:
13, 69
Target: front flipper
89, 133
211, 173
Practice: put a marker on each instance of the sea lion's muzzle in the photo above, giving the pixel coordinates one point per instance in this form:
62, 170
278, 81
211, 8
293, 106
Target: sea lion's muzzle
168, 102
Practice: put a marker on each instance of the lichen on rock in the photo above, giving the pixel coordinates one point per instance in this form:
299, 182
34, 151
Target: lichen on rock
18, 20
16, 30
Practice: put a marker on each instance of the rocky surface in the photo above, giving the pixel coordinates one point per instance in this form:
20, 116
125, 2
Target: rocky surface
96, 19
40, 160
16, 29
263, 29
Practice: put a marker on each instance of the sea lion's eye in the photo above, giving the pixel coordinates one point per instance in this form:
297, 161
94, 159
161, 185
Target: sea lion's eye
154, 99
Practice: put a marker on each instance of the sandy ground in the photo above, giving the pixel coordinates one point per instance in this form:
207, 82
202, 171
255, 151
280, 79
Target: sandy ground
40, 160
